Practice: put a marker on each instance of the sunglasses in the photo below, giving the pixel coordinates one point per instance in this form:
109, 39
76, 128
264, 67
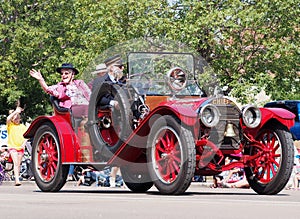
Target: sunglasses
65, 72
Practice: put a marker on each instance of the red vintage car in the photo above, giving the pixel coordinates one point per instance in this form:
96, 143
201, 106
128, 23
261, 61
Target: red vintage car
165, 131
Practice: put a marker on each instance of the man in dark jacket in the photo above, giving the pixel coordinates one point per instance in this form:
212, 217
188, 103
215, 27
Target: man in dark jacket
115, 69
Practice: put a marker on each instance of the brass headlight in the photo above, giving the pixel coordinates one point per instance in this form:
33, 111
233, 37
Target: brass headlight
209, 115
251, 116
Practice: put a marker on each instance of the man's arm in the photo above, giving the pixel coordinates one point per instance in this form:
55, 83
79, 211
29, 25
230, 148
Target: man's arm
37, 75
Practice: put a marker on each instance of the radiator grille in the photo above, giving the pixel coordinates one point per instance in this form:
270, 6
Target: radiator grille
229, 113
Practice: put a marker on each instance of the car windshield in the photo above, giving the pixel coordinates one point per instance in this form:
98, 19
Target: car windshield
147, 72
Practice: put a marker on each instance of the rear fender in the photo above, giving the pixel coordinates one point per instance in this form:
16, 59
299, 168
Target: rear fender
280, 115
69, 146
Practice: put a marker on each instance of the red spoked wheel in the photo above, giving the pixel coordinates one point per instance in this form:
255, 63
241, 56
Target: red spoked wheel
47, 157
48, 171
167, 154
270, 171
171, 156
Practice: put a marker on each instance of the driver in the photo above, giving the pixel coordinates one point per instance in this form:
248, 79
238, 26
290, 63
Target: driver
115, 69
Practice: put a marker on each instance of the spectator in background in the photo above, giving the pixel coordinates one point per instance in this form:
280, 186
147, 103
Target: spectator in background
100, 71
221, 178
16, 141
71, 172
4, 154
240, 181
234, 178
5, 158
295, 176
90, 175
113, 176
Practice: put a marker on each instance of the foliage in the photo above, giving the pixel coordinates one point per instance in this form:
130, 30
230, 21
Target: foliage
251, 45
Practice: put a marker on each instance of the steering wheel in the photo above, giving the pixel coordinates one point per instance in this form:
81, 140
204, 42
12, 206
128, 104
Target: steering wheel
139, 76
140, 85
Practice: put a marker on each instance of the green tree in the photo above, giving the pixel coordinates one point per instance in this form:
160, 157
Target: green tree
251, 45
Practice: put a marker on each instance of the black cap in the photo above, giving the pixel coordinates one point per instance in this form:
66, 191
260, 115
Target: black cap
114, 60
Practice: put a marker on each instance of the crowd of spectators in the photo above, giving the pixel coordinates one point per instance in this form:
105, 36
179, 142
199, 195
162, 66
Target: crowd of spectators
234, 178
293, 183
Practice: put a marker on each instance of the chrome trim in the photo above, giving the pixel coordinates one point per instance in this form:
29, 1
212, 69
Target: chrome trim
212, 111
251, 116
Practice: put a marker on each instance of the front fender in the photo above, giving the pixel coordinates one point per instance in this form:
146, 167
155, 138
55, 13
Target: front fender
69, 146
280, 115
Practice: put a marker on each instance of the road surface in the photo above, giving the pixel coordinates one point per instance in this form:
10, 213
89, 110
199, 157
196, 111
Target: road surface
200, 201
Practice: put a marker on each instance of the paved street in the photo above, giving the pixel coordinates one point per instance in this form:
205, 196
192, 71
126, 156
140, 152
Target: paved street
27, 201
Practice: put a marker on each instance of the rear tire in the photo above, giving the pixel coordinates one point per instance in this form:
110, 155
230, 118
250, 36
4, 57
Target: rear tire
136, 181
49, 173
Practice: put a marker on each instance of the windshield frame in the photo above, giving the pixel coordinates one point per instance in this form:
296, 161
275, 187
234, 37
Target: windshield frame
147, 72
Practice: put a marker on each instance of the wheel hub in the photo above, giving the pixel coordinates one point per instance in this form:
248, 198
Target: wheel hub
164, 156
44, 156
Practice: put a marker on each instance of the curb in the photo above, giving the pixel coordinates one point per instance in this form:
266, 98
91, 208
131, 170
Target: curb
72, 183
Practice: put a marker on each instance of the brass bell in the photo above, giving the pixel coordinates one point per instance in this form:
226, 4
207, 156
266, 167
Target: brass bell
229, 132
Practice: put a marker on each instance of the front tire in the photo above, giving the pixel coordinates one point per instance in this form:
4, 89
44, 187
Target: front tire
171, 156
49, 173
271, 170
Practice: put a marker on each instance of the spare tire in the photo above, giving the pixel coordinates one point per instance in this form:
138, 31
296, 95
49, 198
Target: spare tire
109, 126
